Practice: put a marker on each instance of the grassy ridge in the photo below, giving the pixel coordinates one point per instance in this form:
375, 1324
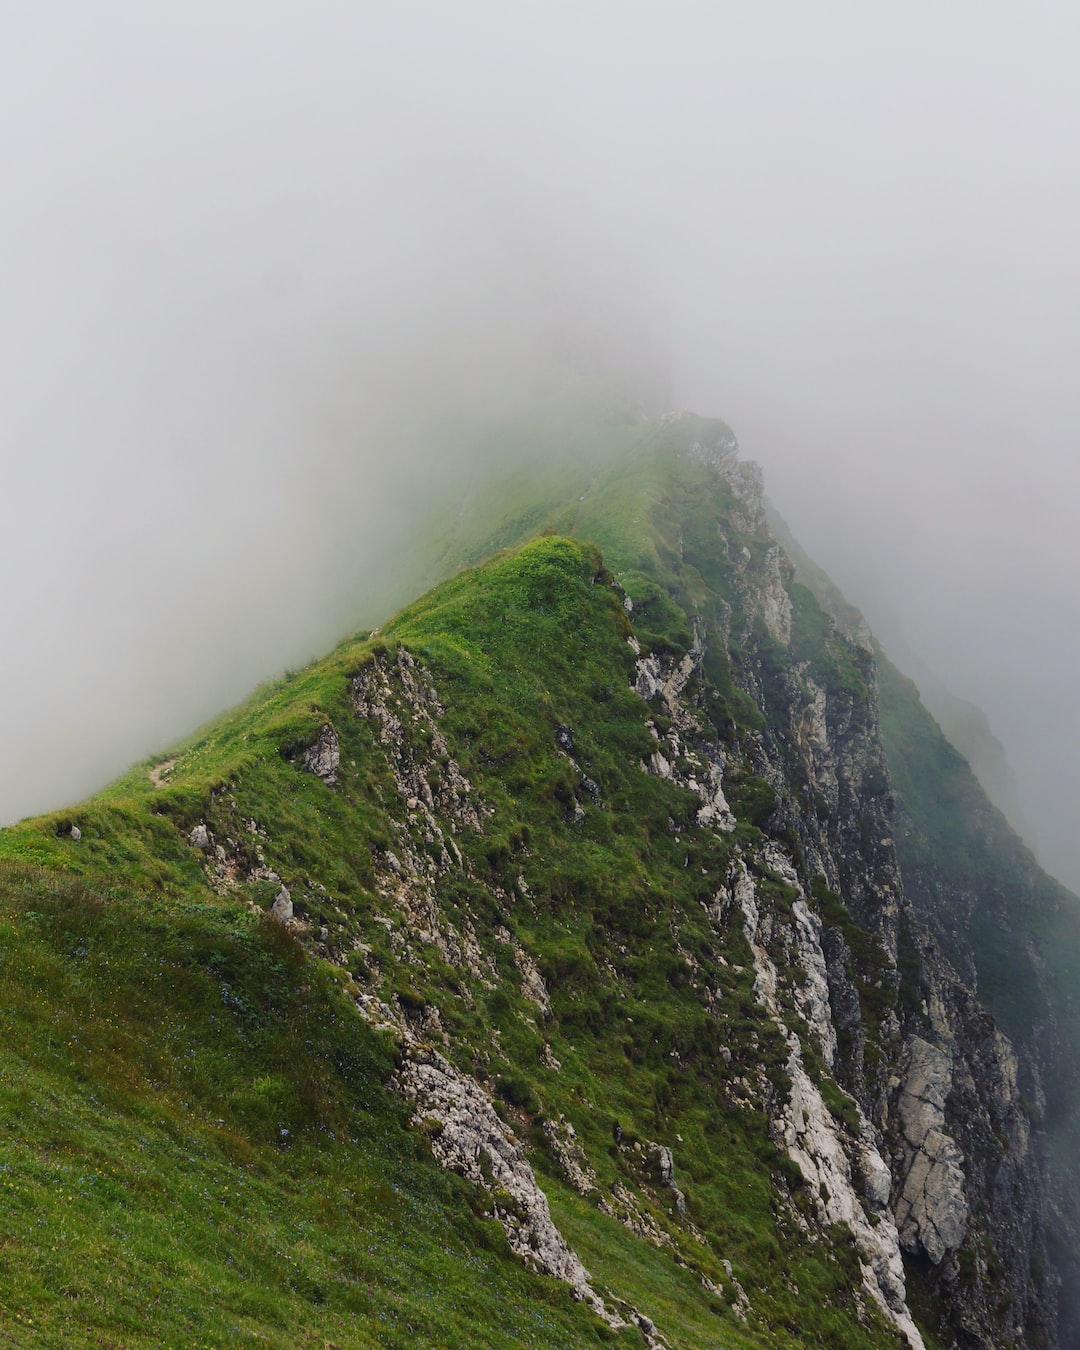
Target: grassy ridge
199, 1145
199, 1138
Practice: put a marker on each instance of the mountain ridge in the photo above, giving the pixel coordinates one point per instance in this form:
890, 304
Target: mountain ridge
573, 806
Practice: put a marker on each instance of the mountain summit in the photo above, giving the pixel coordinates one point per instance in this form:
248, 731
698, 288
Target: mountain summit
609, 950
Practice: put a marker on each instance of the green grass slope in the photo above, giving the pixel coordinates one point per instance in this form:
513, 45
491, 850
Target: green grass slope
200, 1142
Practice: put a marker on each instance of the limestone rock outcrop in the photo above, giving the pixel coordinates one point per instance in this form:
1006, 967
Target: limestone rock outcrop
931, 1210
323, 758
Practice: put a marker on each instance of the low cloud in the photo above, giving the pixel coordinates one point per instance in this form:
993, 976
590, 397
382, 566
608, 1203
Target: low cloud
266, 266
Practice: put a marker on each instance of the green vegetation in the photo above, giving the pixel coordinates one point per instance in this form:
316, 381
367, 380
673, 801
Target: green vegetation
200, 1136
198, 1145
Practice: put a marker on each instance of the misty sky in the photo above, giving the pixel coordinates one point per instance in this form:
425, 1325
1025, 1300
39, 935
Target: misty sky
256, 258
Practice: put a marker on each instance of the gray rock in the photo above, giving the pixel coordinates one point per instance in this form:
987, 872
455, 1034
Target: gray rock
665, 1166
76, 833
323, 758
932, 1210
532, 982
775, 601
199, 837
282, 908
473, 1141
809, 1130
929, 1076
649, 682
659, 765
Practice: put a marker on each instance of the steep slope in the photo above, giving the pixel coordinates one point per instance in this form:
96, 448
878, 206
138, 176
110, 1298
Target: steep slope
535, 971
1010, 929
964, 725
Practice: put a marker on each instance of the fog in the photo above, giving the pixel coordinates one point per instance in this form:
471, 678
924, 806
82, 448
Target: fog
265, 267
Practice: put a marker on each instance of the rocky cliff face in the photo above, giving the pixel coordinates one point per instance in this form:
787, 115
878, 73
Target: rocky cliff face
935, 1082
1011, 934
1012, 937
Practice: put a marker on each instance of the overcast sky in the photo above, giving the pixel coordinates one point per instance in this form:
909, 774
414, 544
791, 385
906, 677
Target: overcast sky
252, 257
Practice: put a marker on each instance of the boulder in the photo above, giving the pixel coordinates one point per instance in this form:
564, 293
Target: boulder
323, 758
932, 1211
282, 908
